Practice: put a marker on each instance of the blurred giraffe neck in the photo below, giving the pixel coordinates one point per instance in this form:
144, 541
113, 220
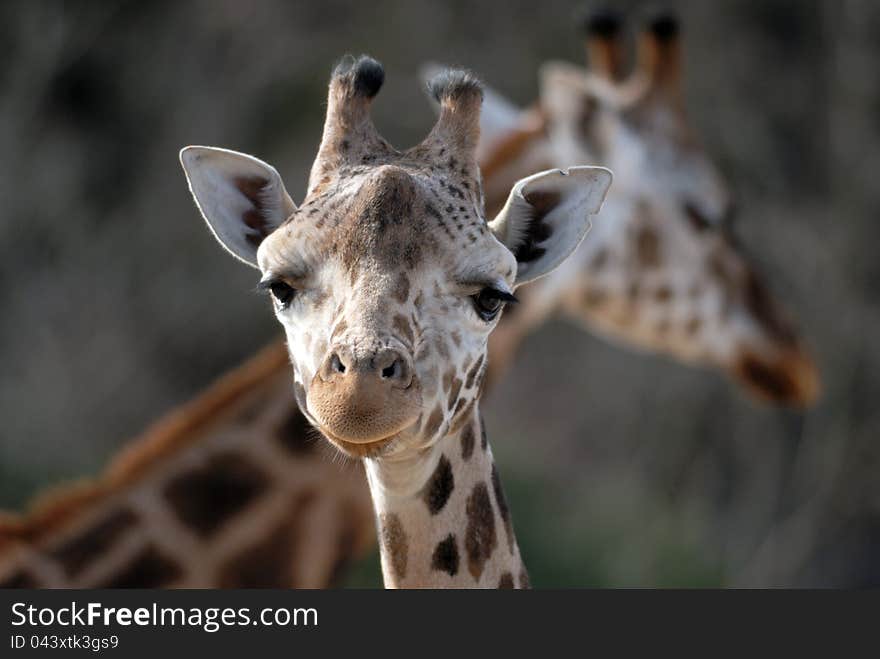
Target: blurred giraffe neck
231, 490
246, 432
442, 516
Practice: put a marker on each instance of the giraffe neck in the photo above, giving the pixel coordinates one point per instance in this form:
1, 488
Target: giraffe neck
442, 517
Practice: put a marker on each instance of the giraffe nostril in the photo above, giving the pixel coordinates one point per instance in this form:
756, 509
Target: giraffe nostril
393, 368
336, 364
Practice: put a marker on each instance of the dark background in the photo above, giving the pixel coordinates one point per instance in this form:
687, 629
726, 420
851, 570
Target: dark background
622, 468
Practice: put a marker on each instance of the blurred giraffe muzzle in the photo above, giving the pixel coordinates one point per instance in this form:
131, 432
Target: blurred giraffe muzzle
785, 377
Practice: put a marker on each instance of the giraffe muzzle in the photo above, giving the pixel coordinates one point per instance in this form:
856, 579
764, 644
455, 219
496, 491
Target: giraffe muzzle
365, 398
785, 377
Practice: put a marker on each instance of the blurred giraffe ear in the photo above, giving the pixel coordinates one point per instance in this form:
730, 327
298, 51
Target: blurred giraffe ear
547, 215
241, 198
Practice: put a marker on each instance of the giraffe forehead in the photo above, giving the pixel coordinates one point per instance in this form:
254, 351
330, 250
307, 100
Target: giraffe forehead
385, 218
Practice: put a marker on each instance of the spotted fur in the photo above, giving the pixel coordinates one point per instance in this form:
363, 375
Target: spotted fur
445, 557
395, 543
664, 230
480, 538
439, 487
380, 279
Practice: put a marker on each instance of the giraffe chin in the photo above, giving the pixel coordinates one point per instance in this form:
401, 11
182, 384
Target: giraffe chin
372, 449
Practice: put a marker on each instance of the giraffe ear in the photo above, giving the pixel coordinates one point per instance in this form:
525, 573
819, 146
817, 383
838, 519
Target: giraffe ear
241, 198
547, 215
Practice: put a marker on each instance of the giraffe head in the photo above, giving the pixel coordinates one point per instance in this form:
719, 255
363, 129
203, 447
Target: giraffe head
388, 278
662, 270
639, 123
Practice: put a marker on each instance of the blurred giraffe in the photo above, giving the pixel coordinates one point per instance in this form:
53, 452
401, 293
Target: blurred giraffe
662, 271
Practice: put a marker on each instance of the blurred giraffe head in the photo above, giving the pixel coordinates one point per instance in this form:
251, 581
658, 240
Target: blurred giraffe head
662, 270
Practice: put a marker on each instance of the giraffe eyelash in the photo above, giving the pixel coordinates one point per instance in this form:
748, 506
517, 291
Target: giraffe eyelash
504, 296
489, 302
282, 292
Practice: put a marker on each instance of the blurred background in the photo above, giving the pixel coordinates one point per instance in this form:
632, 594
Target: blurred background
628, 471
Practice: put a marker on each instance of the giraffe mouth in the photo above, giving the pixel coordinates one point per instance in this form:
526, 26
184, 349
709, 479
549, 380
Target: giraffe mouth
372, 449
363, 415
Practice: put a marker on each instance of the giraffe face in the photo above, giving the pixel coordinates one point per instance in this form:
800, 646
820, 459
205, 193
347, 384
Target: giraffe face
387, 290
645, 140
388, 279
649, 278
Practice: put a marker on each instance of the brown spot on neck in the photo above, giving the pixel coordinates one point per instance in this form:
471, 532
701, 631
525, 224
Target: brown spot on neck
454, 390
467, 441
480, 536
149, 569
394, 543
207, 496
461, 413
506, 581
439, 487
445, 557
434, 421
472, 373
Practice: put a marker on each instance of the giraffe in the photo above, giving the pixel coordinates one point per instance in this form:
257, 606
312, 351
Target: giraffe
231, 490
387, 281
27, 546
662, 271
511, 141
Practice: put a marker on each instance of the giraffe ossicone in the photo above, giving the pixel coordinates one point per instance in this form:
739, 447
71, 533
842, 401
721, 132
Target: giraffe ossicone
388, 281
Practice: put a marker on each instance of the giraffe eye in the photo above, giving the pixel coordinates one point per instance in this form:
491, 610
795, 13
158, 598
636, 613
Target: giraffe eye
489, 301
283, 293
